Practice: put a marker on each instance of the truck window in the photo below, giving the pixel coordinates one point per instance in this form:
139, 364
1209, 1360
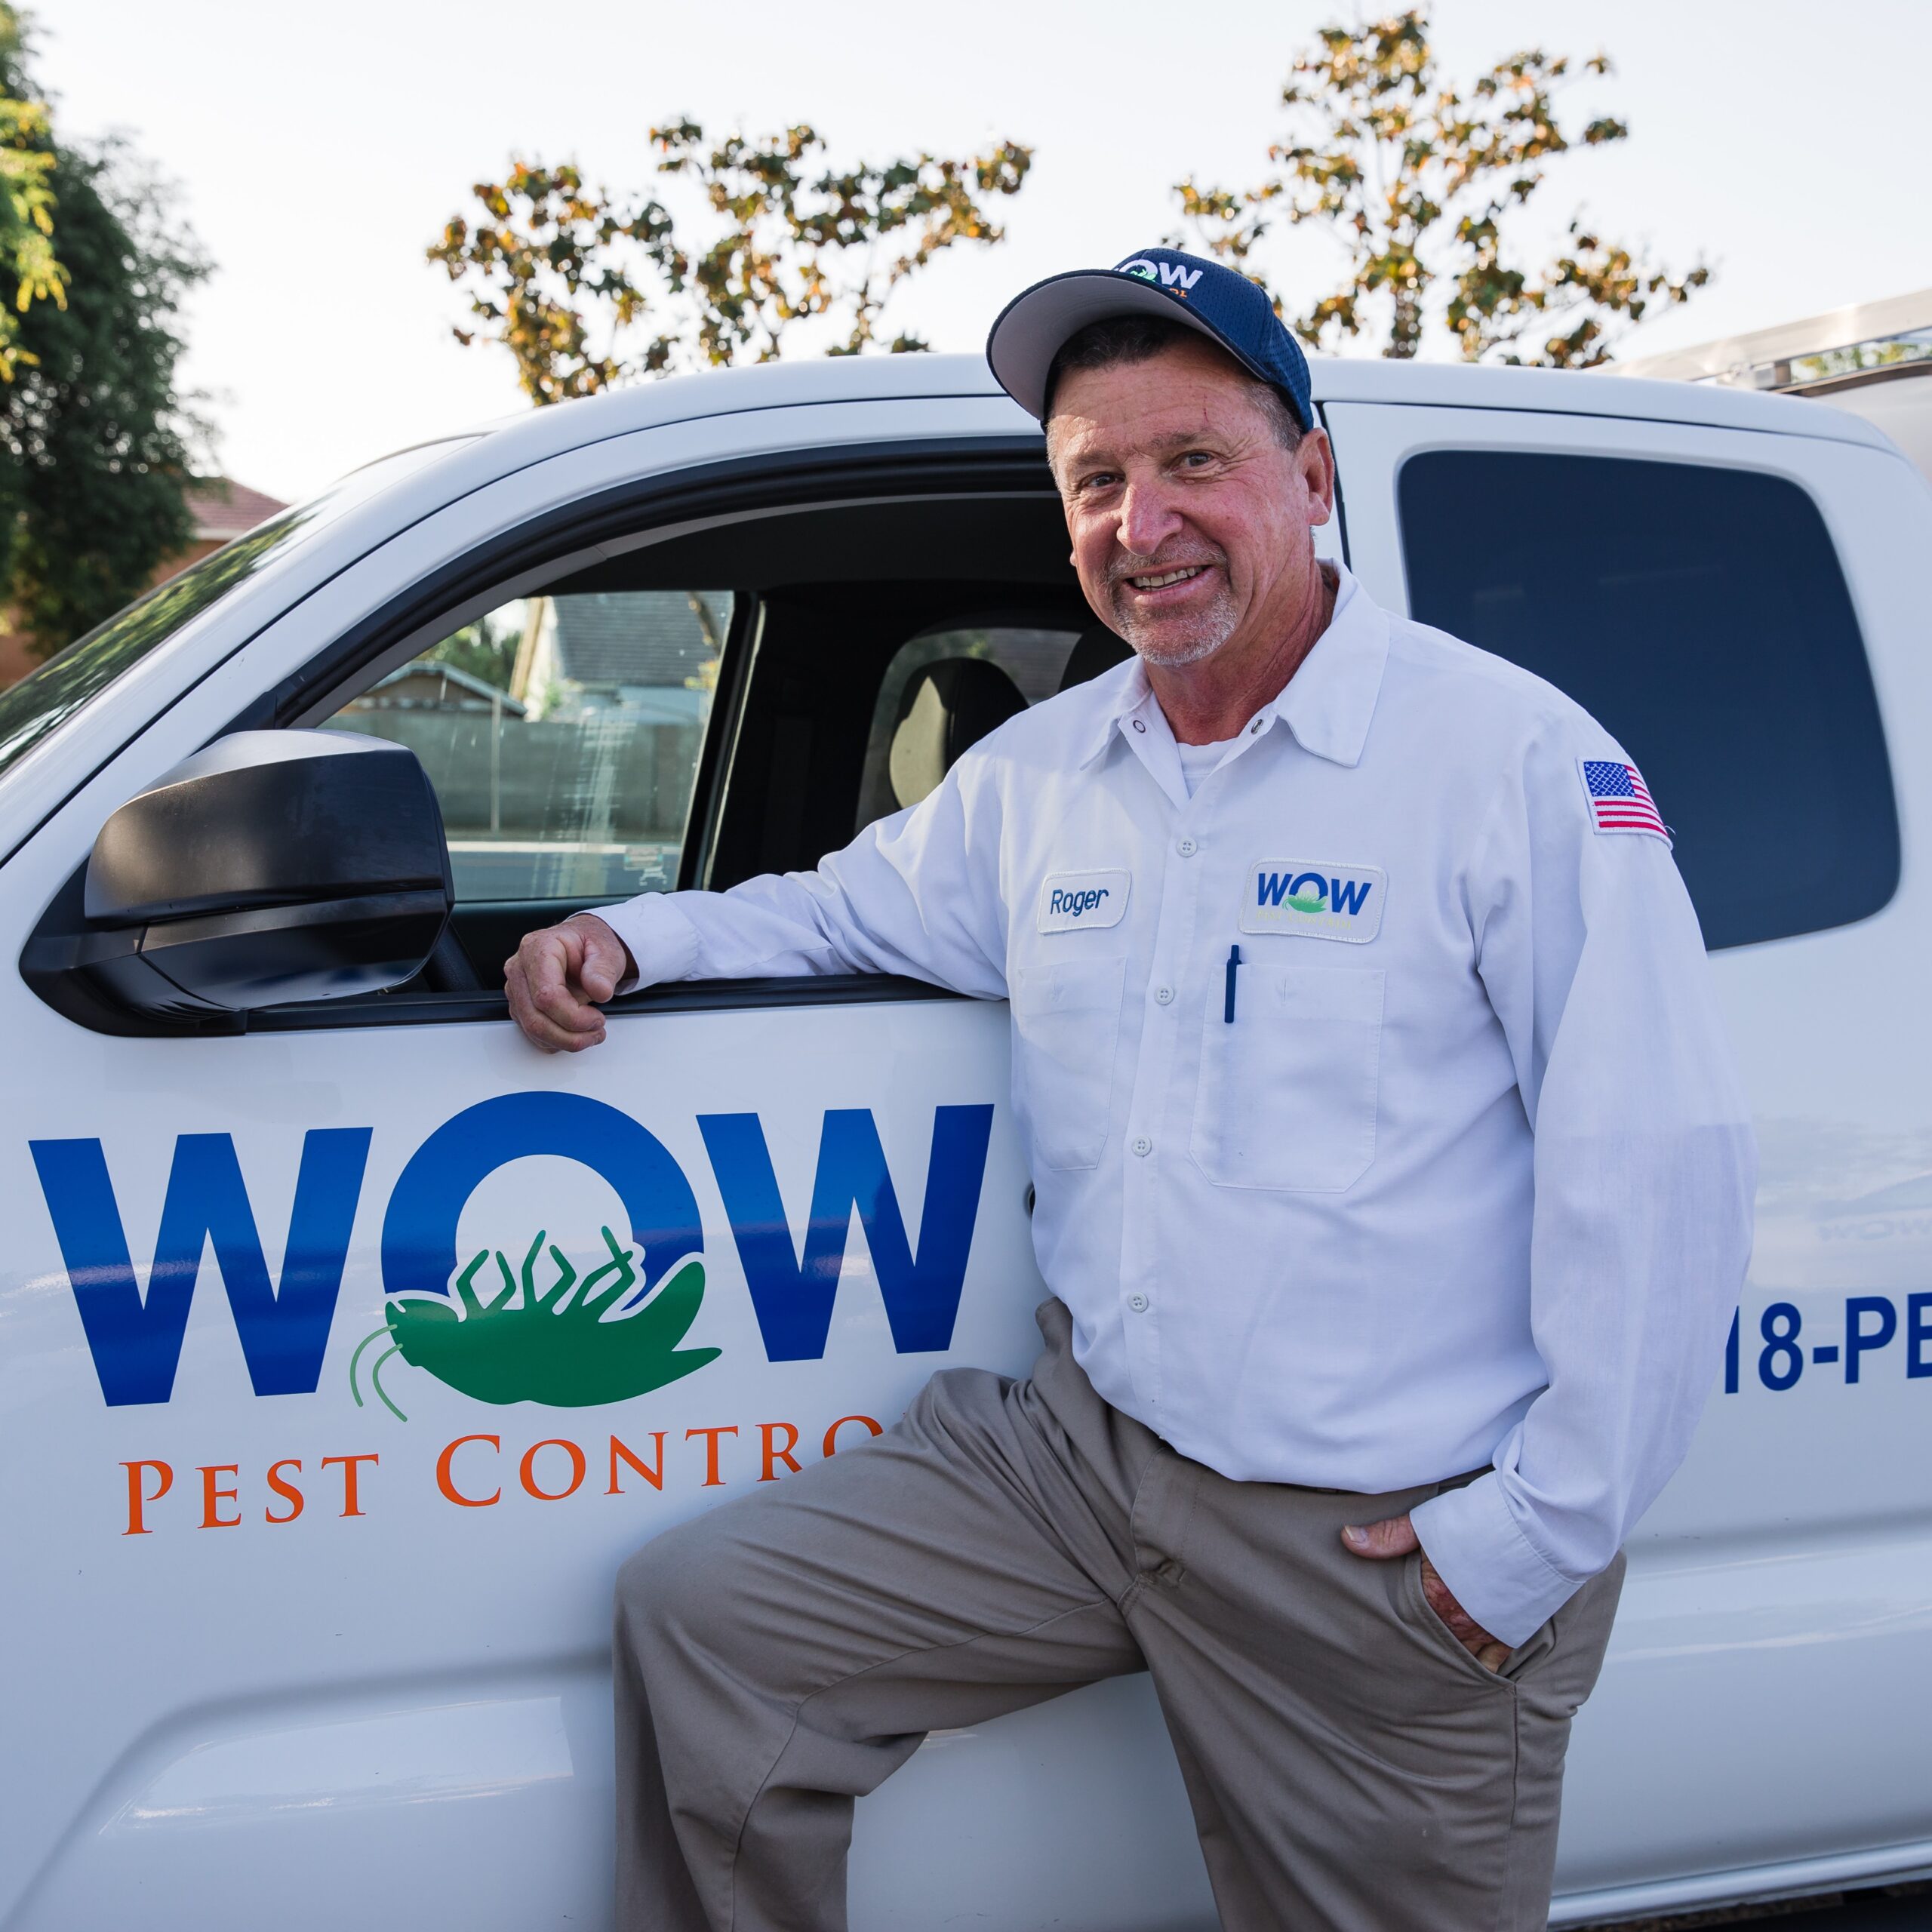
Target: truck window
562, 735
1701, 614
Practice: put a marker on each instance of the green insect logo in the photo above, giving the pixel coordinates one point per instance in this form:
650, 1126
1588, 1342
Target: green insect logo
539, 1330
573, 1344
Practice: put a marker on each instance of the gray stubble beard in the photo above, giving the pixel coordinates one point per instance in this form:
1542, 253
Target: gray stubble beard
1152, 641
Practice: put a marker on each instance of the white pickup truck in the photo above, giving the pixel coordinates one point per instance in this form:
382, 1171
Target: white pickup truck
347, 1345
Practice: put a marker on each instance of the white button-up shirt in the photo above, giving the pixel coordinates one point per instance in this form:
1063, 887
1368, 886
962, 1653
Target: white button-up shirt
1380, 1117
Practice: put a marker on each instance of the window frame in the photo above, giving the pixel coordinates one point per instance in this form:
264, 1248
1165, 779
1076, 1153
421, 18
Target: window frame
1375, 441
543, 549
548, 547
1873, 760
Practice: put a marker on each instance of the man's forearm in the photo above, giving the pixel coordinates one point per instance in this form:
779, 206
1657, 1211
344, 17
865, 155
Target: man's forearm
1629, 1305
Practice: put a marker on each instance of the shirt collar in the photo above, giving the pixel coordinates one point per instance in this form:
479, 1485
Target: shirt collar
1328, 704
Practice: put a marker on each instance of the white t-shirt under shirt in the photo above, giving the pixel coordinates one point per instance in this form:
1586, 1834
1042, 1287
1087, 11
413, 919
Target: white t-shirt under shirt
1197, 761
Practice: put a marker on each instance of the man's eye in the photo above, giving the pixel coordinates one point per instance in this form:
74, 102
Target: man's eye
1196, 458
1099, 479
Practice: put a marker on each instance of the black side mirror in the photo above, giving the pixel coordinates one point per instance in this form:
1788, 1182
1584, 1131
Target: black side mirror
273, 867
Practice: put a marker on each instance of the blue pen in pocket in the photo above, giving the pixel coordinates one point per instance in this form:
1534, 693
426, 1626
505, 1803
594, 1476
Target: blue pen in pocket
1234, 966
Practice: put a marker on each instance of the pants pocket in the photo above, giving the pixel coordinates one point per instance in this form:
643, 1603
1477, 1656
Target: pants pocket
1066, 1022
1288, 1092
1422, 1615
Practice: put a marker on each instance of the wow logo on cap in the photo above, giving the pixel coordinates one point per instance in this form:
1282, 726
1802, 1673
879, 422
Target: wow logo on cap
1166, 275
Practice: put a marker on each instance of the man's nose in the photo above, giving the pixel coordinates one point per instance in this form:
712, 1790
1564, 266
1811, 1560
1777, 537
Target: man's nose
1148, 518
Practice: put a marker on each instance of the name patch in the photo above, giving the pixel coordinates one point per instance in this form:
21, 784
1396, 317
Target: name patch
1312, 898
1082, 902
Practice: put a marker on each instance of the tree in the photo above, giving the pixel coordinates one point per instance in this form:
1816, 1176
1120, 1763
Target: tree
486, 649
96, 438
1416, 176
94, 442
26, 195
587, 288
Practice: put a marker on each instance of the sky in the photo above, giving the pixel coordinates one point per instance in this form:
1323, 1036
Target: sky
317, 152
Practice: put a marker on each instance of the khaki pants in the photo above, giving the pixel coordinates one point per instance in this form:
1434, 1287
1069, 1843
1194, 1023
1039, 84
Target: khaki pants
1349, 1764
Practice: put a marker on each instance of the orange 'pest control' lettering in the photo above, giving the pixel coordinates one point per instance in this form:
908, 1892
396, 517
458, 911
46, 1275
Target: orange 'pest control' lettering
351, 1471
139, 1497
213, 1495
285, 1490
653, 1475
831, 1434
446, 1480
712, 1480
527, 1469
777, 1452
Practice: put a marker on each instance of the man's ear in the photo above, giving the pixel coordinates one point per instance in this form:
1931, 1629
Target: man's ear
1314, 459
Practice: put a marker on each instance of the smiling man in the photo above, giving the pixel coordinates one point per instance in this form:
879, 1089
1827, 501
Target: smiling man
1393, 1188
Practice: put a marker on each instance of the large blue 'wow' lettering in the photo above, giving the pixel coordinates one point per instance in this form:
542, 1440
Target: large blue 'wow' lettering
285, 1330
793, 1299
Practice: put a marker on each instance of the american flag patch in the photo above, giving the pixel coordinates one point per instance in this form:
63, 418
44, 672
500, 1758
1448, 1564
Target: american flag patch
1619, 800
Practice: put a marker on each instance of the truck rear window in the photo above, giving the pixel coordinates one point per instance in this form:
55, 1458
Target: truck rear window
1701, 615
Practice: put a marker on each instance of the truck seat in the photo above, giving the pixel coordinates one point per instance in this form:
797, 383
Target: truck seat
946, 707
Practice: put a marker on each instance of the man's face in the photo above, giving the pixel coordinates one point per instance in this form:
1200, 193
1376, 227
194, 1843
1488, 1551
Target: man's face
1192, 526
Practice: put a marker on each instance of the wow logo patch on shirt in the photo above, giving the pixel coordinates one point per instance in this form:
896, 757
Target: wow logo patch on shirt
1082, 902
1307, 898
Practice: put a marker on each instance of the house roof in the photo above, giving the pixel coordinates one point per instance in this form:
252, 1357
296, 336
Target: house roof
417, 683
223, 509
636, 637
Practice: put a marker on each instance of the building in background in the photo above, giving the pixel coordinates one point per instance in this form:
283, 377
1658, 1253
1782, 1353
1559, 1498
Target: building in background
561, 733
651, 653
223, 510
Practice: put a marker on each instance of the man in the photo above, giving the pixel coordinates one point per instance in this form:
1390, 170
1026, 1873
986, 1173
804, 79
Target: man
1393, 1187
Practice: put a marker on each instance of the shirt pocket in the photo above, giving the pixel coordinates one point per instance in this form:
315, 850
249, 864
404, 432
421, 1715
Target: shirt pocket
1289, 1093
1066, 1015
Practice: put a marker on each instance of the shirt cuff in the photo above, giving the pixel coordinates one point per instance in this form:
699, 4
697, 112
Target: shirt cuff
1472, 1537
663, 943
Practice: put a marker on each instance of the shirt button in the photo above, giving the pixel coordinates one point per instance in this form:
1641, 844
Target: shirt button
1138, 1304
1187, 848
1255, 727
1165, 995
1143, 1146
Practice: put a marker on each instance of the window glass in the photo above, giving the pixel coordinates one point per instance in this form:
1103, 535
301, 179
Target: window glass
1700, 614
1034, 660
562, 736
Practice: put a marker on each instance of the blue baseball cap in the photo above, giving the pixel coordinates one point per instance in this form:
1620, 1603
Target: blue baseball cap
1220, 303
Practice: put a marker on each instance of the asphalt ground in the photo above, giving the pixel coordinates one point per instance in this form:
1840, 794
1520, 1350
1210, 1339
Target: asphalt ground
1884, 1909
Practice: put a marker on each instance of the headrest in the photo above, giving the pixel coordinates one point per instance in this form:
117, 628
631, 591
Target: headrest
1097, 649
945, 708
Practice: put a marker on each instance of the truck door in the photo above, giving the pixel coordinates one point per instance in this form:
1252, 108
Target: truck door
1733, 605
350, 1351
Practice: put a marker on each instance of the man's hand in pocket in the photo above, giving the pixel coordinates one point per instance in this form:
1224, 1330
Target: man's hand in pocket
1396, 1537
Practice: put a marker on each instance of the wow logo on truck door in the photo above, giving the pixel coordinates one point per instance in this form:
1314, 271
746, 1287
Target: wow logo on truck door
525, 1324
568, 1341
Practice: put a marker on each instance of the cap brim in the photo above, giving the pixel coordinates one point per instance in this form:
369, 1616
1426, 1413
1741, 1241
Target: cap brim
1031, 328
